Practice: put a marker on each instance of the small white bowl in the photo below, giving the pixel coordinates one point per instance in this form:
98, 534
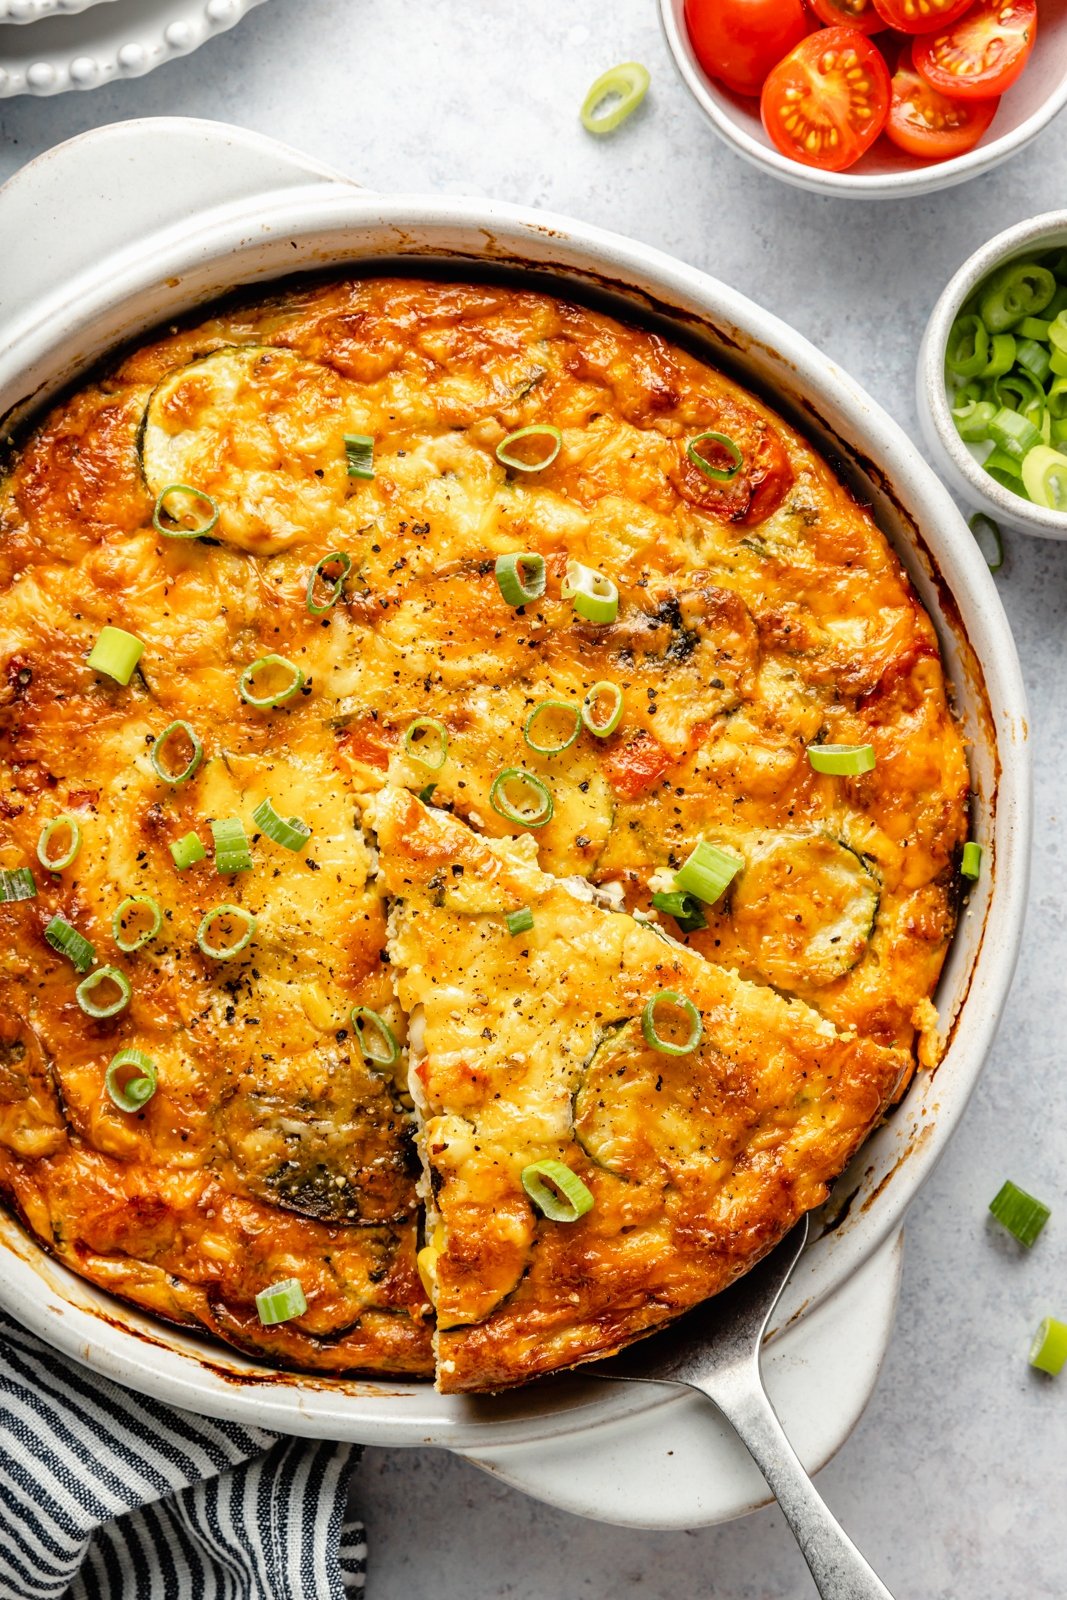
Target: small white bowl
885, 172
954, 460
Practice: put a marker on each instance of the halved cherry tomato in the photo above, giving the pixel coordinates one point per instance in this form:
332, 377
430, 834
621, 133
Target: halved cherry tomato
739, 41
931, 126
919, 16
637, 766
827, 102
848, 14
763, 480
983, 53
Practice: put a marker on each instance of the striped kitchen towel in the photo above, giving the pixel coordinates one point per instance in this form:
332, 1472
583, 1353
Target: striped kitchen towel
109, 1495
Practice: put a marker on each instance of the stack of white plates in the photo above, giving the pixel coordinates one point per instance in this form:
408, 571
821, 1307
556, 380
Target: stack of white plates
81, 44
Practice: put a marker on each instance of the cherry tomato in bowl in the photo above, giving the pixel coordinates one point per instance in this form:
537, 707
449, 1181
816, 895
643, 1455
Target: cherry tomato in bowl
849, 14
931, 126
982, 54
827, 101
920, 16
739, 41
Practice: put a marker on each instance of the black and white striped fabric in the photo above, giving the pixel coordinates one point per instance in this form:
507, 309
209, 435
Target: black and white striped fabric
108, 1495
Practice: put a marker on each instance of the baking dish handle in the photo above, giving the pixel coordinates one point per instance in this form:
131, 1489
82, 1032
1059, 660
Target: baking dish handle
118, 185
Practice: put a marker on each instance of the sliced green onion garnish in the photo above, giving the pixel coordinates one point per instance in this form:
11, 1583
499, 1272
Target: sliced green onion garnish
520, 921
16, 883
595, 597
534, 793
988, 537
1001, 355
56, 861
1020, 289
359, 453
132, 937
333, 586
292, 835
972, 419
270, 666
971, 861
842, 760
185, 513
69, 942
601, 719
1022, 1215
187, 851
1034, 359
1013, 433
968, 347
167, 753
667, 1047
131, 1089
116, 653
110, 978
723, 472
614, 96
708, 872
426, 794
426, 741
1048, 1351
549, 713
369, 1027
281, 1302
231, 845
538, 430
1044, 474
243, 926
521, 577
684, 908
556, 1190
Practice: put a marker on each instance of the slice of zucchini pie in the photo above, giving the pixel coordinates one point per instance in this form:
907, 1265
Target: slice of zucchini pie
613, 1128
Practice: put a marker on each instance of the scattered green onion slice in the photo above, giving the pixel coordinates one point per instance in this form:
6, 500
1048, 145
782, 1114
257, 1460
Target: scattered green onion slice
334, 587
292, 835
520, 921
721, 474
270, 664
988, 536
622, 88
537, 430
595, 597
281, 1302
131, 1090
553, 709
521, 577
129, 942
16, 883
225, 913
187, 851
88, 987
593, 716
159, 756
684, 908
56, 863
1048, 1351
185, 513
69, 942
513, 777
671, 997
707, 872
367, 1026
426, 794
116, 653
426, 741
1044, 474
842, 760
232, 853
971, 861
359, 454
556, 1190
1022, 1215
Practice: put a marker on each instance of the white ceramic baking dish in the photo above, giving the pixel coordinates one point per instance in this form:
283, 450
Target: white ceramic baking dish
133, 225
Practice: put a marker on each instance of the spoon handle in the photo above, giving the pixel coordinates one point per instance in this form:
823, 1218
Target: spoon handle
840, 1572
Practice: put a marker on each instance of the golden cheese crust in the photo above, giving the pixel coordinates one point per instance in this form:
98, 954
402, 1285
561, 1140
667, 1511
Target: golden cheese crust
757, 616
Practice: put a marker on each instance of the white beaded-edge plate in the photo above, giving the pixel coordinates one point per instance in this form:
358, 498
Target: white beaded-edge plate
35, 10
105, 41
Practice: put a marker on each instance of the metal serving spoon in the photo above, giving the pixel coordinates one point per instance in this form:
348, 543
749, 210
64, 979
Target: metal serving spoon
716, 1349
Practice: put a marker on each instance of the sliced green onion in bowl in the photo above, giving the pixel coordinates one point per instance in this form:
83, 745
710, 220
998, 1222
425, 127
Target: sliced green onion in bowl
16, 883
1048, 1349
243, 925
116, 654
842, 760
334, 586
505, 450
291, 835
426, 741
1002, 350
270, 666
601, 720
69, 942
129, 937
671, 999
614, 96
989, 540
1044, 475
534, 792
556, 1190
182, 512
520, 921
1019, 289
972, 419
971, 860
281, 1302
725, 470
1022, 1215
368, 1026
708, 872
595, 597
968, 347
57, 862
107, 978
232, 853
187, 850
1014, 433
548, 712
521, 577
131, 1079
163, 749
359, 455
684, 908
